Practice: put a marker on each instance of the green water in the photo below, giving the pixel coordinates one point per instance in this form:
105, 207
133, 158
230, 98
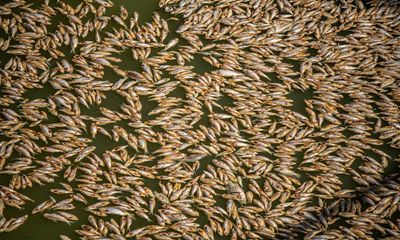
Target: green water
38, 227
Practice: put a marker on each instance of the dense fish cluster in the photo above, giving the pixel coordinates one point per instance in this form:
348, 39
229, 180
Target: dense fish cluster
235, 156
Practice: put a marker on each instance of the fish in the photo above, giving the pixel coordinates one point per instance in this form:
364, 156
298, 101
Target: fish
248, 114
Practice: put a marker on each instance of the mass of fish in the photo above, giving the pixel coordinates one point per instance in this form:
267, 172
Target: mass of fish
233, 157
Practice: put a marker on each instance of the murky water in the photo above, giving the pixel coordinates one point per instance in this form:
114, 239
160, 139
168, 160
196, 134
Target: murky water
38, 227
